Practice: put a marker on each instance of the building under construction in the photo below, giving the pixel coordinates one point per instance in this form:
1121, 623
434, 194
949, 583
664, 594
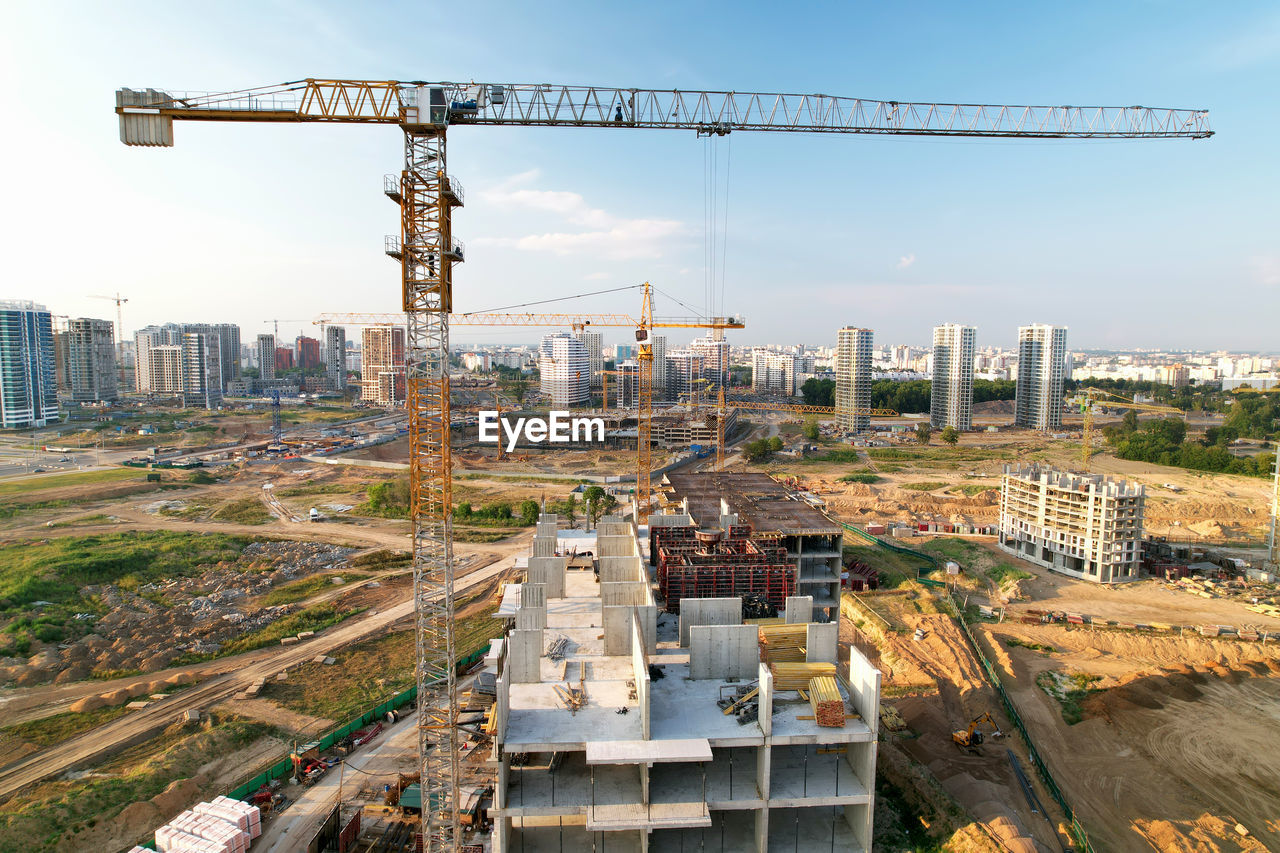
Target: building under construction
622, 728
778, 520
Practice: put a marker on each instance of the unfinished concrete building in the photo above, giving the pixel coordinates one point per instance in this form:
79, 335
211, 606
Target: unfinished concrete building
1084, 525
618, 728
812, 542
694, 562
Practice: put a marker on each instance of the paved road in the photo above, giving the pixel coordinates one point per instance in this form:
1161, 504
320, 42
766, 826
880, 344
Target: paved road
141, 725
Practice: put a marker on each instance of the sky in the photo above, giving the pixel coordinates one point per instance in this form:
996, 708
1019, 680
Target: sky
1155, 243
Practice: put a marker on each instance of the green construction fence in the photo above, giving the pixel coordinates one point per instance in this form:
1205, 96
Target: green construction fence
284, 767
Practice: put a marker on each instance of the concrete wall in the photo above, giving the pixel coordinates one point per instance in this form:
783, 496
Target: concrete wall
724, 651
624, 592
531, 617
620, 569
864, 689
616, 546
765, 678
820, 642
549, 572
799, 609
640, 670
708, 611
617, 628
611, 525
544, 546
524, 655
533, 595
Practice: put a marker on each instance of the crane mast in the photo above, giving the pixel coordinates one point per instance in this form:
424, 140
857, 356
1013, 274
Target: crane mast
427, 252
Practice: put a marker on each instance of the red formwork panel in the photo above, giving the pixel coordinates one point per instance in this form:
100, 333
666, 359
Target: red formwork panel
734, 566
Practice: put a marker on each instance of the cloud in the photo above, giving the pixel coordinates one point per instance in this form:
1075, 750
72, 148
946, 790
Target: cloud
906, 261
595, 230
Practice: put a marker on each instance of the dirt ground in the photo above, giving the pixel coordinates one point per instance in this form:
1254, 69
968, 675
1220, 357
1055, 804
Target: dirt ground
960, 485
1178, 745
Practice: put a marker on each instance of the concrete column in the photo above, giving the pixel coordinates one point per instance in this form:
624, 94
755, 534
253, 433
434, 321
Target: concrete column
799, 608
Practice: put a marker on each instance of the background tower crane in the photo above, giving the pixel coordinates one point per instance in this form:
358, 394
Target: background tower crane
427, 251
1090, 396
119, 301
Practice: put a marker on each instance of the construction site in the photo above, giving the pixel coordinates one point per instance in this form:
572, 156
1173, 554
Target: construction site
380, 632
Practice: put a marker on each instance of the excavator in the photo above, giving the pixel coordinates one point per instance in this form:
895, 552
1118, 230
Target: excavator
971, 738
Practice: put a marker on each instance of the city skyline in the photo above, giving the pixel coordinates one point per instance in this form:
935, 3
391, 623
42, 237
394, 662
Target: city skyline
551, 213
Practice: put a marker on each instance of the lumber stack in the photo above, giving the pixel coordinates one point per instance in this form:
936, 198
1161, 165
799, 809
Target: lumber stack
827, 704
796, 676
783, 642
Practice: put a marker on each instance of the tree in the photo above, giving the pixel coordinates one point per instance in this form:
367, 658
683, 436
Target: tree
818, 392
570, 508
775, 444
593, 497
924, 432
756, 451
1129, 423
950, 435
529, 511
810, 430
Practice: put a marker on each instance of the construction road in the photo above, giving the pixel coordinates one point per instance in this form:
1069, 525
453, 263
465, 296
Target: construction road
140, 725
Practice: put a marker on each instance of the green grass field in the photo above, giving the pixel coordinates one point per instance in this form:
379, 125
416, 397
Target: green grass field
242, 511
78, 478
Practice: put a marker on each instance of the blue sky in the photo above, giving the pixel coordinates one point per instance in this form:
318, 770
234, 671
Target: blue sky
1153, 243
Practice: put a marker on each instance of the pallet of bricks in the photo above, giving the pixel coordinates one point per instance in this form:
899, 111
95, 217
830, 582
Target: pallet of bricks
222, 826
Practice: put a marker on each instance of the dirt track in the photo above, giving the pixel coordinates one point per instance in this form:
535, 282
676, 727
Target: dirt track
139, 725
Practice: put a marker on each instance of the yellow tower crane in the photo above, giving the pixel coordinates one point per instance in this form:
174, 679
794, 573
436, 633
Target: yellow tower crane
427, 250
1090, 396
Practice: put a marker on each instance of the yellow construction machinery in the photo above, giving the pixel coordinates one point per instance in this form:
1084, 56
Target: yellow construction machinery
1089, 397
427, 250
972, 737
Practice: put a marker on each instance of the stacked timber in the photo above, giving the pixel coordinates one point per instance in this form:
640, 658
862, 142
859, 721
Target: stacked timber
827, 704
796, 676
783, 642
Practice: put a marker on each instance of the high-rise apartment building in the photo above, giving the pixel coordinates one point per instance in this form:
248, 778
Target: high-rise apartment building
266, 357
565, 368
1042, 367
335, 353
951, 393
1083, 525
284, 359
382, 368
774, 372
308, 352
229, 345
28, 375
181, 364
715, 359
853, 379
594, 344
202, 369
89, 365
660, 366
684, 370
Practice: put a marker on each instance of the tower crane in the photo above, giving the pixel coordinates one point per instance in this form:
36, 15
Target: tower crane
426, 194
1090, 396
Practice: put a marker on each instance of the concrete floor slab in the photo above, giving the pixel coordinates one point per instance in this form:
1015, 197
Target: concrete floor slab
681, 707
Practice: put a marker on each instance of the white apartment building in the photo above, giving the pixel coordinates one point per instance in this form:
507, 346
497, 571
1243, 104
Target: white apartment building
202, 369
951, 392
28, 371
715, 358
565, 368
684, 369
1042, 367
776, 373
266, 356
853, 379
594, 344
1084, 525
